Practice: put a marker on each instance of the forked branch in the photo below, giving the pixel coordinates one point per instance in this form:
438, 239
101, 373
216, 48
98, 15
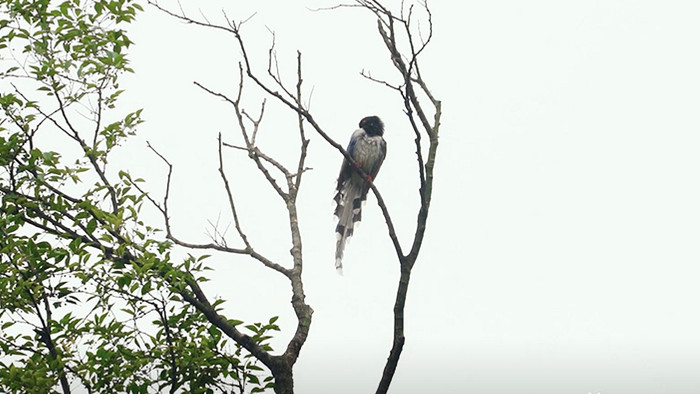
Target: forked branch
285, 186
405, 43
409, 72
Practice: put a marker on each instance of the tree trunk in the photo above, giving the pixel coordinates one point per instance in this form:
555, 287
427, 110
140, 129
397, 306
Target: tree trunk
284, 380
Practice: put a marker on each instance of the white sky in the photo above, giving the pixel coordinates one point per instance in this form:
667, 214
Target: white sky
562, 249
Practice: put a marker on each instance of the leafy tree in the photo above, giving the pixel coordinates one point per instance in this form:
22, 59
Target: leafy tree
89, 293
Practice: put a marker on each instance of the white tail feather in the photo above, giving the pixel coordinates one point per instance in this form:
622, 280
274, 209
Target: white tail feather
346, 220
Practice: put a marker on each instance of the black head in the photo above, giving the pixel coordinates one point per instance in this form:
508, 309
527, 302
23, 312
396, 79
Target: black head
372, 125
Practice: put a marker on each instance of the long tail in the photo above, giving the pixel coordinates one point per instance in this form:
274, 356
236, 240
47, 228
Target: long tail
348, 211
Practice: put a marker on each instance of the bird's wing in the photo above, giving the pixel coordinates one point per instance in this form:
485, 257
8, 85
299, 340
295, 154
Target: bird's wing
374, 170
346, 169
353, 140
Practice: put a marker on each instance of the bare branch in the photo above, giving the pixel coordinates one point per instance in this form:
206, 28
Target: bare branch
229, 194
303, 112
302, 134
368, 75
185, 19
248, 250
216, 234
253, 152
255, 122
276, 76
335, 7
408, 67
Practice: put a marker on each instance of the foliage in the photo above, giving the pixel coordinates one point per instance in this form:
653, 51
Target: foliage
89, 294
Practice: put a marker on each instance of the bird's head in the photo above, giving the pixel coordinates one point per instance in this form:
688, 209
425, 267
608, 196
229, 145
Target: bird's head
372, 125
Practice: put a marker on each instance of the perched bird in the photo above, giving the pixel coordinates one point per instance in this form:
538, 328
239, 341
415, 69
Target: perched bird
368, 148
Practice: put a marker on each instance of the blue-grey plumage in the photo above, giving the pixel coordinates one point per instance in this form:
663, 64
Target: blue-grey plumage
368, 148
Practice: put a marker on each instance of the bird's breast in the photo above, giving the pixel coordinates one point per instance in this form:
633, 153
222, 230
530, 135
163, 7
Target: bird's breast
368, 150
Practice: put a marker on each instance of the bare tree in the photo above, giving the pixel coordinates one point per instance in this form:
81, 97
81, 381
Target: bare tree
281, 365
394, 29
400, 33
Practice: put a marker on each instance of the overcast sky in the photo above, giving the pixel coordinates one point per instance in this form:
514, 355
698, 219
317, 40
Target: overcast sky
562, 249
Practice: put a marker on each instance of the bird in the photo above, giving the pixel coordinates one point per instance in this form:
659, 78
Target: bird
368, 149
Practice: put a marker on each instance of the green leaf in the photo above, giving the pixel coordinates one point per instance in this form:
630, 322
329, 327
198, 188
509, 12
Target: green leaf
92, 225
